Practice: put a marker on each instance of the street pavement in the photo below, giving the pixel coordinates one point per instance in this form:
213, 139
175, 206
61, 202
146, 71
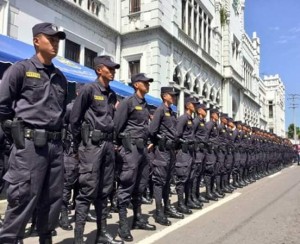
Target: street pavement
265, 212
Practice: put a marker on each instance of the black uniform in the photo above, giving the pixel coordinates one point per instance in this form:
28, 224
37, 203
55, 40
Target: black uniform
35, 173
163, 132
185, 157
131, 126
71, 162
92, 115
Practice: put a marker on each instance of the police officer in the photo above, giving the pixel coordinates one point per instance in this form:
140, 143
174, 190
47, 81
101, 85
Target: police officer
185, 156
131, 127
71, 166
163, 133
211, 164
201, 138
92, 127
38, 91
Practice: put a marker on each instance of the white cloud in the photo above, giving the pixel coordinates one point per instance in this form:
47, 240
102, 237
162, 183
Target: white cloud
295, 29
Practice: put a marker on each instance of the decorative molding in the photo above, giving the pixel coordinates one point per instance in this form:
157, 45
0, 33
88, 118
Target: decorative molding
74, 12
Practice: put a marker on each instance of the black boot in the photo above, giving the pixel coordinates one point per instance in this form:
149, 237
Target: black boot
78, 234
64, 222
241, 181
103, 236
193, 193
190, 203
225, 185
213, 190
182, 208
160, 217
139, 222
218, 186
171, 212
235, 181
208, 195
124, 230
91, 217
45, 239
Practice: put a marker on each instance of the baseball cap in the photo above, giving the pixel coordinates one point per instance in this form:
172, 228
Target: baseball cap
140, 77
202, 106
168, 89
190, 100
105, 60
48, 29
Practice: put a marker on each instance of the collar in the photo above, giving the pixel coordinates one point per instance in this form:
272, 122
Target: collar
102, 88
37, 63
140, 100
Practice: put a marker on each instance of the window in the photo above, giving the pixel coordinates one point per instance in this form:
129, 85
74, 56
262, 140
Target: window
135, 6
89, 56
183, 14
271, 130
72, 51
270, 109
134, 67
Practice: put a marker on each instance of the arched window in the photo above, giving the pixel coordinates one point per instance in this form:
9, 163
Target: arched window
187, 81
212, 95
176, 75
205, 91
218, 99
196, 87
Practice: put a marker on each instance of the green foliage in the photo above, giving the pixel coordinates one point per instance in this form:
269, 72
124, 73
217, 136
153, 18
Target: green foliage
291, 131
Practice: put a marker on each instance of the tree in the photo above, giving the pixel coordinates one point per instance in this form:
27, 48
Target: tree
291, 131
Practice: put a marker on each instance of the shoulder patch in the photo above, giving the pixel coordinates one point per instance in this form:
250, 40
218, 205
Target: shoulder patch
139, 108
167, 114
31, 74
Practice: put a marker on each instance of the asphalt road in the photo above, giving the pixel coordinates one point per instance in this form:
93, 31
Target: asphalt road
265, 212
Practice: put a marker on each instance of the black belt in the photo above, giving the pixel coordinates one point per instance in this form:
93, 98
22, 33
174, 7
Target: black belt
101, 136
51, 135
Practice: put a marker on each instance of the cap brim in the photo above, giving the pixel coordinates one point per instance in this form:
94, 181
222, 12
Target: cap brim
173, 93
60, 34
112, 65
145, 80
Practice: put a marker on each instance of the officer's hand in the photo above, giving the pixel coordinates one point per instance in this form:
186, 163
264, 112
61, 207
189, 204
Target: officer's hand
150, 147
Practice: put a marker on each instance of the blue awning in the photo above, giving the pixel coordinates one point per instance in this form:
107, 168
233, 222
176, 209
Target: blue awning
12, 50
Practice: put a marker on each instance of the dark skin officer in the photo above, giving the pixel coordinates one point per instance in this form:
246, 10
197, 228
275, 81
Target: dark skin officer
38, 91
92, 124
163, 134
131, 126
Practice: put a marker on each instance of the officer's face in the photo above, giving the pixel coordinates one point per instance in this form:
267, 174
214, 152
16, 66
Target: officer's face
169, 98
202, 112
215, 116
224, 120
142, 86
46, 45
106, 73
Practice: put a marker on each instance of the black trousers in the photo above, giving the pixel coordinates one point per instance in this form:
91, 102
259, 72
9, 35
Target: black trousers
35, 180
162, 168
183, 167
134, 176
71, 175
96, 177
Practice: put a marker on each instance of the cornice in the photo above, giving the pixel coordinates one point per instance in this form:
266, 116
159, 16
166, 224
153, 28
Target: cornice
74, 12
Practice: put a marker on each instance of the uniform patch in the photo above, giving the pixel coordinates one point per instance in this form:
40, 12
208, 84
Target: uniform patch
33, 75
98, 98
139, 108
201, 124
167, 114
189, 122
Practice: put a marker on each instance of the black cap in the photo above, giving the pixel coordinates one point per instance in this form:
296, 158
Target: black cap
140, 77
224, 115
168, 89
202, 106
190, 100
230, 120
105, 60
48, 29
214, 110
238, 122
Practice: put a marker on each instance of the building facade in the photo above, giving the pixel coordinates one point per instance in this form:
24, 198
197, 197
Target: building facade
200, 47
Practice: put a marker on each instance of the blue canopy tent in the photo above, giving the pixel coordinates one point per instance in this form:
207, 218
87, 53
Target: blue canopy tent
12, 50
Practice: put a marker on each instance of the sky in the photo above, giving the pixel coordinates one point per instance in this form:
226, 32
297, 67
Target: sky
277, 24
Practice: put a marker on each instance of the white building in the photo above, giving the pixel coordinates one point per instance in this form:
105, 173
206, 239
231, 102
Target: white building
198, 46
275, 97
